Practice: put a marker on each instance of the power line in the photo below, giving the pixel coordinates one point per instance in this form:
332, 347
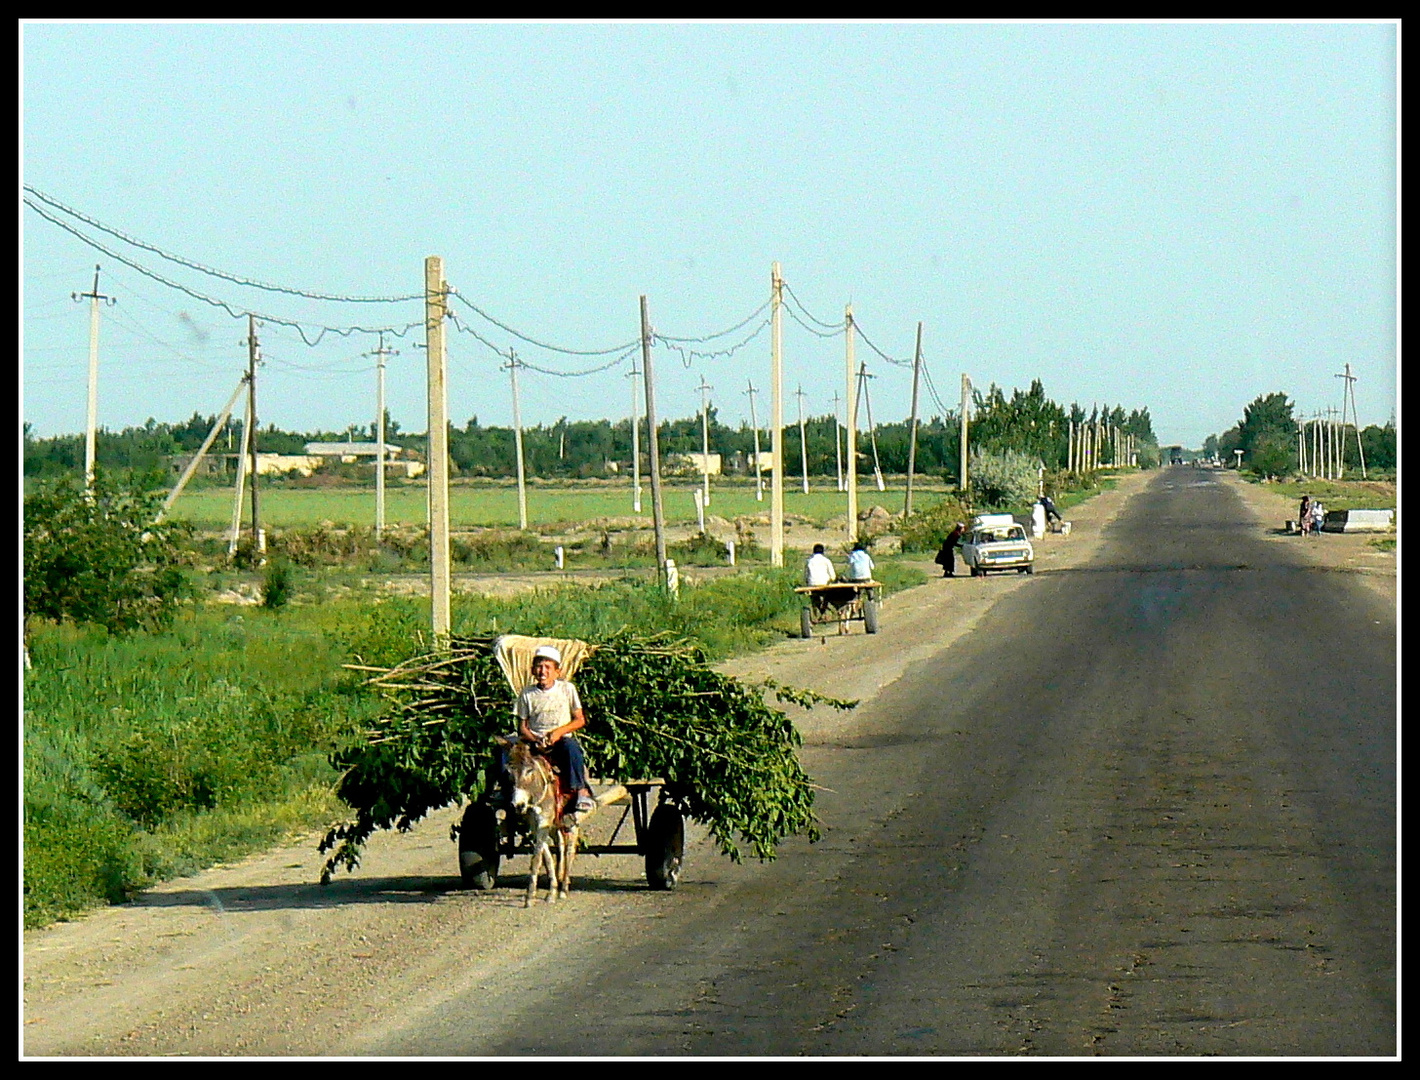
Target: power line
810, 315
235, 313
858, 327
719, 333
56, 204
542, 344
689, 356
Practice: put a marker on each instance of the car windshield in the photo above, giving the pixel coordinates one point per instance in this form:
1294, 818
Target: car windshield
992, 536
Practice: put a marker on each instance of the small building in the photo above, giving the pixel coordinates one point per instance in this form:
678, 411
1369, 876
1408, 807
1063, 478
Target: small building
693, 463
397, 459
225, 465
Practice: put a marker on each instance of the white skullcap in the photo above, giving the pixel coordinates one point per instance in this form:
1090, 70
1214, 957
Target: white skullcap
548, 652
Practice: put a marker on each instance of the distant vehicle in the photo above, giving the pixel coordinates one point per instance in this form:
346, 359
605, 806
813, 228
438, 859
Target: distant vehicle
996, 542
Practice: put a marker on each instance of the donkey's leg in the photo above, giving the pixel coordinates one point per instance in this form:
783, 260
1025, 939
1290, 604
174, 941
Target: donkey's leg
540, 854
566, 852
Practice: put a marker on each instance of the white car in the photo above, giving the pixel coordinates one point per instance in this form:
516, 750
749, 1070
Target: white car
996, 542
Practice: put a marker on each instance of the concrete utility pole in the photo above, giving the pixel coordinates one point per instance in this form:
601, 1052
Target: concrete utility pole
253, 358
380, 355
776, 414
863, 378
705, 438
236, 529
754, 423
1349, 387
440, 576
912, 440
965, 406
837, 444
635, 446
92, 422
850, 463
206, 445
512, 367
803, 440
653, 445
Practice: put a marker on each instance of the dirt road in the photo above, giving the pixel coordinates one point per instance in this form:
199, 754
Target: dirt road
1016, 881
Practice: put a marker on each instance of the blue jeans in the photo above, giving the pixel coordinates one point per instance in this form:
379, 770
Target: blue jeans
566, 755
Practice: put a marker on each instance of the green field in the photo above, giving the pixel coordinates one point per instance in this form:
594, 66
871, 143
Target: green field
482, 505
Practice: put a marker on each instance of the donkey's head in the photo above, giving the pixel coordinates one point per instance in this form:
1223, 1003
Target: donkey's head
531, 776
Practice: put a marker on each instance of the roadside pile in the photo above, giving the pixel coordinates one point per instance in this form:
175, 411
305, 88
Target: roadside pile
655, 708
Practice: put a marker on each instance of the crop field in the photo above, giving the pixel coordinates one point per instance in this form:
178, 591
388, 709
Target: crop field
488, 504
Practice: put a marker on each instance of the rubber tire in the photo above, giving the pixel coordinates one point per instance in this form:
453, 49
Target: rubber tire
976, 571
478, 847
870, 616
806, 626
1030, 569
665, 847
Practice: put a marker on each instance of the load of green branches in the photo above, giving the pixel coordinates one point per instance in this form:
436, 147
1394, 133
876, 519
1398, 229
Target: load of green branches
654, 706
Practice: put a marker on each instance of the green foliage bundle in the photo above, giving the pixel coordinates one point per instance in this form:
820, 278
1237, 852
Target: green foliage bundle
1008, 478
99, 557
654, 706
926, 529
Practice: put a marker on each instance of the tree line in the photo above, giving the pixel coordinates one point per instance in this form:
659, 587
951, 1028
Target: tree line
1267, 436
1026, 421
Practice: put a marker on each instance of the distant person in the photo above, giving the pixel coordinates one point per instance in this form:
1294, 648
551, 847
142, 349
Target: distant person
946, 558
1304, 515
1318, 514
860, 563
819, 568
1050, 511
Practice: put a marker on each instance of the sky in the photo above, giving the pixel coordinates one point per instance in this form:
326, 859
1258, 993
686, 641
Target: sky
1178, 216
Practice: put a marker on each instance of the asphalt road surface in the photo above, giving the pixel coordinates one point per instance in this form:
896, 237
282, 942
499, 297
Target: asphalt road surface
1146, 807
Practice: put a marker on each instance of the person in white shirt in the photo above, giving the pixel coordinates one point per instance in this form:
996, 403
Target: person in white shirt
819, 569
548, 712
860, 563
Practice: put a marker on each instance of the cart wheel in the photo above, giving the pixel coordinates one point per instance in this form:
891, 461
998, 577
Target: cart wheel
478, 847
870, 616
1030, 569
806, 623
976, 571
665, 847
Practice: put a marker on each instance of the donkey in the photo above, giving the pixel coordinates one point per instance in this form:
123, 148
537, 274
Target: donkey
538, 796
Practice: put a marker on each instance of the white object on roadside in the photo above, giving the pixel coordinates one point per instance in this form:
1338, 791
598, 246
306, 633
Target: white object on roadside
1037, 521
558, 552
730, 547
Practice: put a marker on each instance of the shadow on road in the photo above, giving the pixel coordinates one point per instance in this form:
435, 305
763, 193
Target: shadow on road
390, 890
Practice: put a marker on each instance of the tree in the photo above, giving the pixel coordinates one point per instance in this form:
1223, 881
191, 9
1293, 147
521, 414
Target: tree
100, 558
1268, 415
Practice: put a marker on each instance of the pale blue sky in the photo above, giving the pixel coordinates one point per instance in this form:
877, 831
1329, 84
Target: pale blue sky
1173, 215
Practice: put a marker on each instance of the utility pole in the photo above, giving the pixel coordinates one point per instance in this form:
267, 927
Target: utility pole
965, 404
1070, 447
92, 423
776, 413
635, 446
380, 353
863, 378
912, 441
850, 476
253, 356
440, 577
241, 480
512, 367
837, 444
803, 440
705, 438
754, 423
1349, 387
653, 445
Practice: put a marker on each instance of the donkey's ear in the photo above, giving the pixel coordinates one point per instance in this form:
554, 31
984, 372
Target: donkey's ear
505, 741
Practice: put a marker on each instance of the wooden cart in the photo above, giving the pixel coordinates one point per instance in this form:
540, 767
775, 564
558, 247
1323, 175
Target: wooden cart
839, 602
487, 836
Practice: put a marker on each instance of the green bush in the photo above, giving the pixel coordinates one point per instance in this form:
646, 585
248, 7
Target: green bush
100, 558
278, 582
1008, 478
926, 529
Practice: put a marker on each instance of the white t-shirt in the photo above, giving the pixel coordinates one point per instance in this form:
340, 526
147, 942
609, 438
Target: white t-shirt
819, 570
860, 566
548, 709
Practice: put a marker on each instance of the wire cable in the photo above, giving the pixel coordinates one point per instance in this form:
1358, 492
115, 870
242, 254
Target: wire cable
721, 333
233, 312
56, 204
811, 316
812, 330
542, 344
866, 341
689, 356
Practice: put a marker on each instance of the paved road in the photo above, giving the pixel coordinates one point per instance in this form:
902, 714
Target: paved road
1147, 807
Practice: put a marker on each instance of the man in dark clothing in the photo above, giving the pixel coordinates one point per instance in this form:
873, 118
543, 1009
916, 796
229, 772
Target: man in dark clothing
1050, 511
946, 558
